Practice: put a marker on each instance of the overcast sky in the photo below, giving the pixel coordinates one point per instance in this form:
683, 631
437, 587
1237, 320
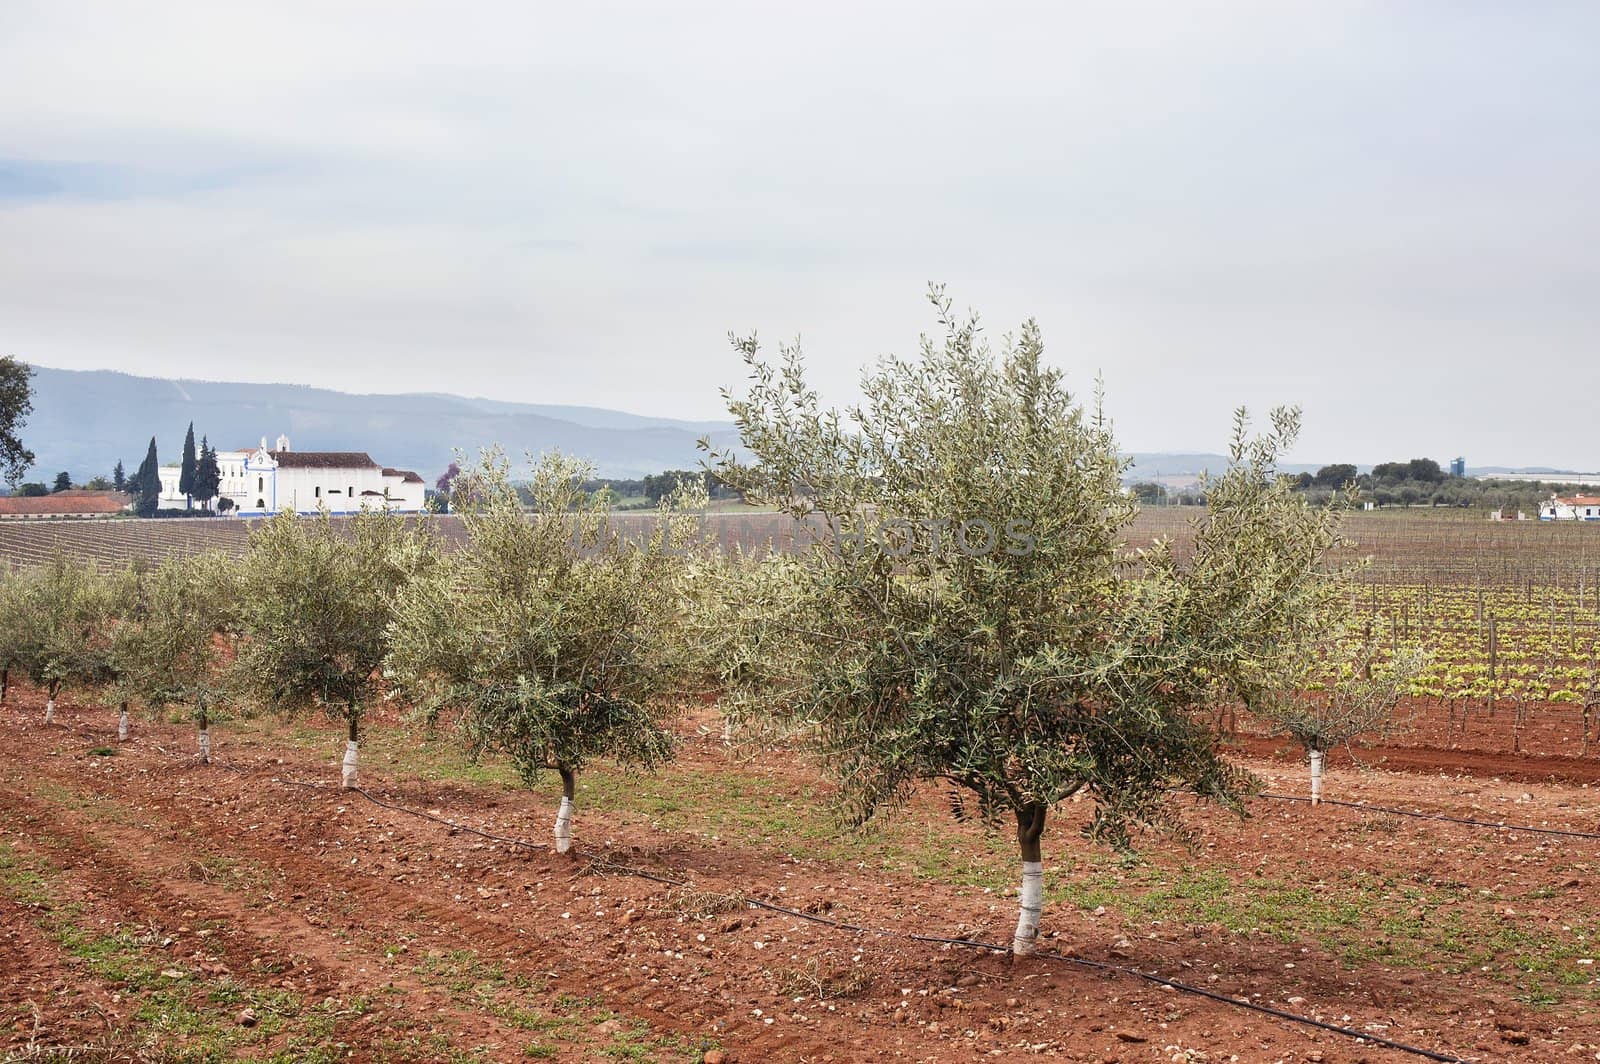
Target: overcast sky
1384, 212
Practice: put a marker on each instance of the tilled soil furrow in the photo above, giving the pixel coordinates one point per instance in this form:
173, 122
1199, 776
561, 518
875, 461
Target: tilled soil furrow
350, 880
154, 884
323, 890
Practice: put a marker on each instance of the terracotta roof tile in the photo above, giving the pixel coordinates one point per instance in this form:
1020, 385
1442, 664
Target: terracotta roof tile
323, 459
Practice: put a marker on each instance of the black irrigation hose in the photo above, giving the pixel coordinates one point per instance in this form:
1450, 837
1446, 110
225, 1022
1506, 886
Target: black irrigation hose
1051, 955
451, 824
1564, 832
1282, 1014
1120, 969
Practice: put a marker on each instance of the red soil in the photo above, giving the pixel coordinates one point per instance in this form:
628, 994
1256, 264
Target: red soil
343, 881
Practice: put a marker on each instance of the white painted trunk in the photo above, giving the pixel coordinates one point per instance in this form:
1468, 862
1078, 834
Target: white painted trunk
727, 731
49, 710
1316, 776
348, 773
564, 825
1031, 903
122, 726
205, 745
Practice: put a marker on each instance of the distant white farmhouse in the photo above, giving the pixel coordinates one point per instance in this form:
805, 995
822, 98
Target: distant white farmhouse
1571, 508
268, 481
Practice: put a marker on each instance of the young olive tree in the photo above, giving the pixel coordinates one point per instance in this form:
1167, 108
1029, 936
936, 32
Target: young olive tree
1348, 692
975, 619
11, 630
552, 636
122, 589
57, 628
315, 611
167, 649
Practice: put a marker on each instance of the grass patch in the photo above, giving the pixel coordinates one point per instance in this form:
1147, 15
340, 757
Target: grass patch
176, 1013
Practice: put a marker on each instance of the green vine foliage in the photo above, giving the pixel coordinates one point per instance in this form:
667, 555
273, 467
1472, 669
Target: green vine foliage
553, 639
1054, 662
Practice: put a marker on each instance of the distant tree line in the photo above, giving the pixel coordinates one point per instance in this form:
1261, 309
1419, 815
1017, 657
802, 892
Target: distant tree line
453, 490
648, 491
1423, 482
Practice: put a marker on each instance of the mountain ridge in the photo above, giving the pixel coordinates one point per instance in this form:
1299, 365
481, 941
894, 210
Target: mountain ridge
84, 421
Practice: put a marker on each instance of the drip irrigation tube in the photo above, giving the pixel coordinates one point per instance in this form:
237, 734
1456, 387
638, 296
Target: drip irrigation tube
1120, 969
453, 825
450, 823
611, 865
1563, 832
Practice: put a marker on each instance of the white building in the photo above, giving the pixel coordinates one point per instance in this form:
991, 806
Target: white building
1571, 508
268, 481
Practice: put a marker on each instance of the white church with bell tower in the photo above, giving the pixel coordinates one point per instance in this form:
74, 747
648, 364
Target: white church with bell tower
266, 481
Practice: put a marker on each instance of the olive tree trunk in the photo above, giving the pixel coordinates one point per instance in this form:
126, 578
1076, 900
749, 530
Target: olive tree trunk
5, 685
1317, 759
122, 723
569, 788
50, 703
352, 752
1030, 899
203, 719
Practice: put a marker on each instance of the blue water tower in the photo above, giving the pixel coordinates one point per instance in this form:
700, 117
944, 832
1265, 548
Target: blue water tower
1458, 467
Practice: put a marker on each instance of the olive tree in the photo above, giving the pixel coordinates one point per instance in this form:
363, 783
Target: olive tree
58, 615
1350, 691
123, 591
315, 610
11, 631
975, 619
549, 634
168, 647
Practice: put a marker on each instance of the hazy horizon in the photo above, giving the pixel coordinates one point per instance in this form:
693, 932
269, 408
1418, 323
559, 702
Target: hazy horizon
1381, 213
1128, 447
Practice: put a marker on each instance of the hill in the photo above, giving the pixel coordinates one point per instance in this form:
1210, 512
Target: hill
83, 421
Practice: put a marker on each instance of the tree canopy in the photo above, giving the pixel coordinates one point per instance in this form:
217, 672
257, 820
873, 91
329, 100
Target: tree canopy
316, 620
549, 633
16, 403
976, 620
58, 626
1335, 476
165, 650
146, 486
207, 475
186, 469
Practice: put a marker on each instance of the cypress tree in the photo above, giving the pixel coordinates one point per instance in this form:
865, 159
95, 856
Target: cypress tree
186, 472
147, 483
207, 475
119, 479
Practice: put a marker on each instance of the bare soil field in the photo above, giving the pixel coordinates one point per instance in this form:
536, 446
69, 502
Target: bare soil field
1550, 735
1437, 546
153, 908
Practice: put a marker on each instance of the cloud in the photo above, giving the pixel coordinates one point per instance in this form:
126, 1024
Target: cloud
1373, 210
